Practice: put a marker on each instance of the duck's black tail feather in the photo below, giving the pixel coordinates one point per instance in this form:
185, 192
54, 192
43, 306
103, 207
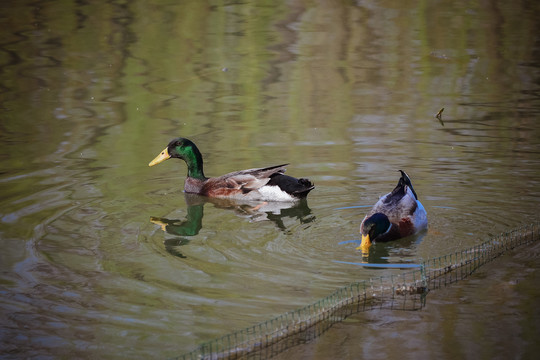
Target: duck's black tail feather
405, 180
297, 187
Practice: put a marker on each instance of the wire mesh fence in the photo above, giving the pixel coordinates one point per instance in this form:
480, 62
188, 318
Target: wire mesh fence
406, 291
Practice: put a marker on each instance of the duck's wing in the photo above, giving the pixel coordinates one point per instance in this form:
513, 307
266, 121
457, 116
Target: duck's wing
395, 207
258, 173
241, 182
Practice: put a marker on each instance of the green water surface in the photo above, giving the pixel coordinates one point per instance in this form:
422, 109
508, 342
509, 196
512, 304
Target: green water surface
346, 92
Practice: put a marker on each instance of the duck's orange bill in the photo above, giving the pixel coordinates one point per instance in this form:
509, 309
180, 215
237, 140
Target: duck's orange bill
164, 155
366, 243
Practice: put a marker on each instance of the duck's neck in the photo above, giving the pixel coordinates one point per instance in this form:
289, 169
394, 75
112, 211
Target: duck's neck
194, 163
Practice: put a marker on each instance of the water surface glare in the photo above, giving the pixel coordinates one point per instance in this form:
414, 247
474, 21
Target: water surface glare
105, 257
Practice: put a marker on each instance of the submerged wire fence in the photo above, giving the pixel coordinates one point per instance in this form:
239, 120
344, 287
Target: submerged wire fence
406, 291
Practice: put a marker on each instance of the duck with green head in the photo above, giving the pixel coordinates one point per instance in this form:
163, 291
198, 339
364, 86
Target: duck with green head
396, 215
269, 184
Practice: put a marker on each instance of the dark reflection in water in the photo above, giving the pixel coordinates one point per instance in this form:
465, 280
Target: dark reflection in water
393, 253
254, 211
188, 227
273, 211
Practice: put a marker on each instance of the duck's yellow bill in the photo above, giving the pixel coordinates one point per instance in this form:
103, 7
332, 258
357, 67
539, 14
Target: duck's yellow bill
366, 243
158, 221
164, 155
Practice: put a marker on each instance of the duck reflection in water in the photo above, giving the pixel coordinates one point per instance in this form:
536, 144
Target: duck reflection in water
254, 211
190, 226
393, 253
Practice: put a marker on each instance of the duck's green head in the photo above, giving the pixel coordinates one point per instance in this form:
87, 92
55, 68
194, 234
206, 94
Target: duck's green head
186, 150
375, 225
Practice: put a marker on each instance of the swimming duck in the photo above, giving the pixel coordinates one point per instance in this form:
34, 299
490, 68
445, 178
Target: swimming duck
396, 215
268, 184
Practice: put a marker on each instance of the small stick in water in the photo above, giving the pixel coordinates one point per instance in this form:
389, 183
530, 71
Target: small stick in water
439, 116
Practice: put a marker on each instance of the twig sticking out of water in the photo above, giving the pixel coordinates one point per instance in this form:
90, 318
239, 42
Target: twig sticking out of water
439, 116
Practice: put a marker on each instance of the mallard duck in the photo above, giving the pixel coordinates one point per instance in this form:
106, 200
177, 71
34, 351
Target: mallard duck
396, 215
268, 184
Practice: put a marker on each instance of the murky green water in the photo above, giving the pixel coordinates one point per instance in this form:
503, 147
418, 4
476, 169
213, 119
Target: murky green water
492, 315
345, 92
